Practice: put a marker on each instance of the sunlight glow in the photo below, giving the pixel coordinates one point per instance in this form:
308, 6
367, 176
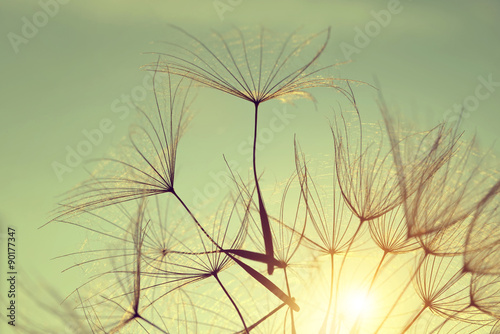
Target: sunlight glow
358, 303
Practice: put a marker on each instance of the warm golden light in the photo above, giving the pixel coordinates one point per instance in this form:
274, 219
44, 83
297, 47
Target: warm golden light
357, 304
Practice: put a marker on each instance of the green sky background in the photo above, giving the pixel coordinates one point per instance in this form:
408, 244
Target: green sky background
67, 76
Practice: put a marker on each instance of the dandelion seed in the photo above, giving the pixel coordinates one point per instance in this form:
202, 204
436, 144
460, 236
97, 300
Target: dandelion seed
482, 244
256, 69
390, 233
485, 294
148, 168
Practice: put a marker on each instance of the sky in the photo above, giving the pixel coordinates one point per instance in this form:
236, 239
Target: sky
67, 65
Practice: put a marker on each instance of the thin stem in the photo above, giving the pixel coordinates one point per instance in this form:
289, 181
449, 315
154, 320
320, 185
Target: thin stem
325, 321
342, 266
152, 324
289, 293
401, 294
357, 323
377, 272
232, 302
264, 219
198, 224
413, 320
261, 320
252, 272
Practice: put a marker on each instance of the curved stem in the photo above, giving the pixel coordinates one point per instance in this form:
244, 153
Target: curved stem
264, 219
232, 302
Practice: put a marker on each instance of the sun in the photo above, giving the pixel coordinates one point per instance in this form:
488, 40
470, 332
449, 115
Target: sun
357, 303
356, 307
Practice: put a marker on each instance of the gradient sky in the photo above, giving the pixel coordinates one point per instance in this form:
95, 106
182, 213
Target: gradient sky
65, 77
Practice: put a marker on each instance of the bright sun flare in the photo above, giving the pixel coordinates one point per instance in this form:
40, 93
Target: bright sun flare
358, 303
